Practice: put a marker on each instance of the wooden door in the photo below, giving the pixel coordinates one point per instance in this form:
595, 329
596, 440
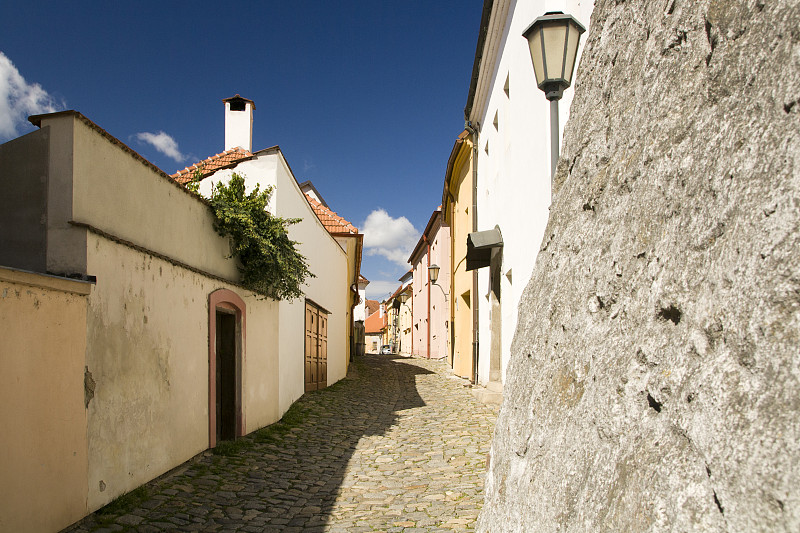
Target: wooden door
226, 375
312, 342
316, 348
323, 350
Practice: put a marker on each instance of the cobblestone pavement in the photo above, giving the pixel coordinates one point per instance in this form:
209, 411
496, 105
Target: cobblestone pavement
398, 445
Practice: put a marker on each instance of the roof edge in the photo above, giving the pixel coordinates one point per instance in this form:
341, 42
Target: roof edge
36, 120
476, 65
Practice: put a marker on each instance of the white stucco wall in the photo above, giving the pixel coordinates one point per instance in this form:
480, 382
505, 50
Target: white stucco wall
360, 310
256, 172
326, 259
514, 176
239, 127
328, 289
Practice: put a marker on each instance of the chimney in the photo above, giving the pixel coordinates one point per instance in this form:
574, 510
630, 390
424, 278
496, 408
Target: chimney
239, 123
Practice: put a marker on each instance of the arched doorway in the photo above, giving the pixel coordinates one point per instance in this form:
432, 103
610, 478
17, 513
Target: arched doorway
226, 336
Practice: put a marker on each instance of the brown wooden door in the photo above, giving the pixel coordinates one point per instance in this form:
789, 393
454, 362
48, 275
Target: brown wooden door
312, 319
323, 350
316, 348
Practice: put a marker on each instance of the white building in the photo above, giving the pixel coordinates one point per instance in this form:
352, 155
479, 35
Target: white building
510, 116
328, 295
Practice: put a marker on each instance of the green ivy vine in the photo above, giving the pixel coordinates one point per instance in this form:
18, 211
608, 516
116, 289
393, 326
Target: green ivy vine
270, 262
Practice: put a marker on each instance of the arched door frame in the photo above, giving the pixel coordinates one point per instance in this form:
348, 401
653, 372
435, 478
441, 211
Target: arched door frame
226, 301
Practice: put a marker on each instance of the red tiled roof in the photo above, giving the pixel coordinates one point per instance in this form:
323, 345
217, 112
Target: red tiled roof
375, 323
332, 222
226, 159
372, 306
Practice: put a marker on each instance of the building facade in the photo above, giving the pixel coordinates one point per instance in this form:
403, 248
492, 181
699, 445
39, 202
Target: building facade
178, 354
457, 207
508, 124
430, 317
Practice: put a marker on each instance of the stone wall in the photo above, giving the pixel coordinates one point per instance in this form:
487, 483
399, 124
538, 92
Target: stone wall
654, 383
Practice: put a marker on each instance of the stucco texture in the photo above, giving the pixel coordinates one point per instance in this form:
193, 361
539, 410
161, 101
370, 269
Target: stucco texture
43, 447
148, 354
654, 381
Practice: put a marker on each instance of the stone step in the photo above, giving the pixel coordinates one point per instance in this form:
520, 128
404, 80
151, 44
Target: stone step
486, 396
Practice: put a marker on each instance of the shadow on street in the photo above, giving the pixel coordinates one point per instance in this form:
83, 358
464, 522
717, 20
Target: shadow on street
283, 477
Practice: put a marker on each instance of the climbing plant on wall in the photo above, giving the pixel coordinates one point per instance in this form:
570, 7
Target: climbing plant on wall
270, 262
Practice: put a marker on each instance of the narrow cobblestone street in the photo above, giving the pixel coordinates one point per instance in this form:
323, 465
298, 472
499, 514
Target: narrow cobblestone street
399, 445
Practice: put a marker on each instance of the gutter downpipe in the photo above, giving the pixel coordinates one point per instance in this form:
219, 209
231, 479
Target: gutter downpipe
475, 301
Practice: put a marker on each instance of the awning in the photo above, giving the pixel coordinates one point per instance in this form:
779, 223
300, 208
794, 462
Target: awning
480, 245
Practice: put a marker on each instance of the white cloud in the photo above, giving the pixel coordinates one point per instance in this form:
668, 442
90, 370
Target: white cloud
379, 290
18, 99
393, 238
163, 143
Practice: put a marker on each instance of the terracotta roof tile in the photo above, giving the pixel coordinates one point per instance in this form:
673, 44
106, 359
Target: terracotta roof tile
332, 222
372, 306
212, 164
375, 323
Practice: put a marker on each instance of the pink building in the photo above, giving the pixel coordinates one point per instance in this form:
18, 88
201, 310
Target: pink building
431, 327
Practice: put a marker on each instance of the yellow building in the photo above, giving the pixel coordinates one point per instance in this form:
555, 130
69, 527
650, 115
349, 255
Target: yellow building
457, 206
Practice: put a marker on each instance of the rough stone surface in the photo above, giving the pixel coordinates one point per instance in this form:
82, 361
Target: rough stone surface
654, 383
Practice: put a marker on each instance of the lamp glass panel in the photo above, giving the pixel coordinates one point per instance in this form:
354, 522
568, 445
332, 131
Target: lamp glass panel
535, 44
572, 52
555, 33
433, 271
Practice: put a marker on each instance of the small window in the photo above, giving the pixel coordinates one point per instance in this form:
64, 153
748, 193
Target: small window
505, 87
237, 104
495, 122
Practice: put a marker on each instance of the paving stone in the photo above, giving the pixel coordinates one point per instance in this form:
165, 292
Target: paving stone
399, 445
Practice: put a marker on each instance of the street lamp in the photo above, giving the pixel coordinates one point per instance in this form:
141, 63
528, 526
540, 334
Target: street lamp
553, 41
433, 272
403, 297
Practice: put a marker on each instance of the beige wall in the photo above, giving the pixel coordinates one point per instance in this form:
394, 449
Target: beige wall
114, 191
147, 333
459, 217
350, 245
43, 446
156, 258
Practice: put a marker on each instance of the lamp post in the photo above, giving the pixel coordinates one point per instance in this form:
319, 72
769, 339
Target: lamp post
553, 41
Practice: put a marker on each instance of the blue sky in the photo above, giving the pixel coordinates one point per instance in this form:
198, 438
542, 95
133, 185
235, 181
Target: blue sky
365, 98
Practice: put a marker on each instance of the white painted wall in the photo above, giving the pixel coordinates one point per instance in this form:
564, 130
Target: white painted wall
514, 176
260, 171
239, 127
328, 289
326, 259
360, 310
